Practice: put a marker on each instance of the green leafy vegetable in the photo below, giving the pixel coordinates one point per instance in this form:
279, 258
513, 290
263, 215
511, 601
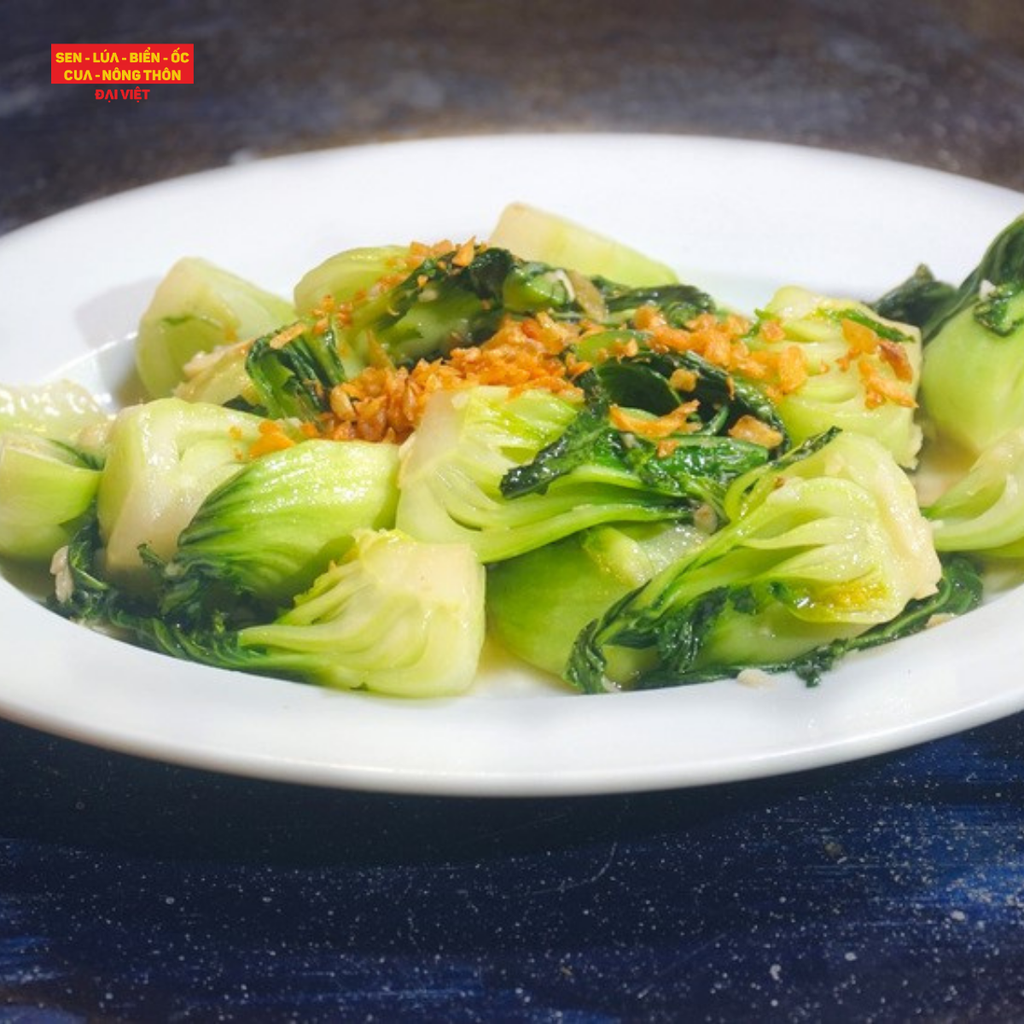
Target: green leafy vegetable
724, 398
199, 307
81, 592
459, 298
59, 410
700, 499
535, 234
45, 489
449, 300
677, 303
395, 617
294, 377
538, 603
921, 300
1001, 264
819, 547
983, 511
348, 275
164, 458
960, 590
220, 378
268, 531
453, 468
698, 465
972, 385
864, 381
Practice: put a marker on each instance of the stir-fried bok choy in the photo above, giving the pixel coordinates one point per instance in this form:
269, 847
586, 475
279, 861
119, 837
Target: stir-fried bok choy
541, 436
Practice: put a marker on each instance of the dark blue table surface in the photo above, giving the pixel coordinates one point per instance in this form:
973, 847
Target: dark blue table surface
890, 889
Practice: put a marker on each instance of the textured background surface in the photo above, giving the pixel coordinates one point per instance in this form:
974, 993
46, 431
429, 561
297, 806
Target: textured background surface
933, 83
881, 891
889, 890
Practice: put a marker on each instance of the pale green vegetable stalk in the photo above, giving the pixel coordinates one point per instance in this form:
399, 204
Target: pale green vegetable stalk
45, 489
538, 603
395, 616
199, 307
275, 525
819, 547
983, 511
972, 386
164, 458
450, 481
219, 377
534, 234
61, 410
973, 380
348, 274
836, 393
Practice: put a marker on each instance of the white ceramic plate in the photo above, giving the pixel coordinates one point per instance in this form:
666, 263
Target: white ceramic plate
738, 218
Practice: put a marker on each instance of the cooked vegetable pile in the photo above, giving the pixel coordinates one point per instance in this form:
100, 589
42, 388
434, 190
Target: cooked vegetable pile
545, 438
